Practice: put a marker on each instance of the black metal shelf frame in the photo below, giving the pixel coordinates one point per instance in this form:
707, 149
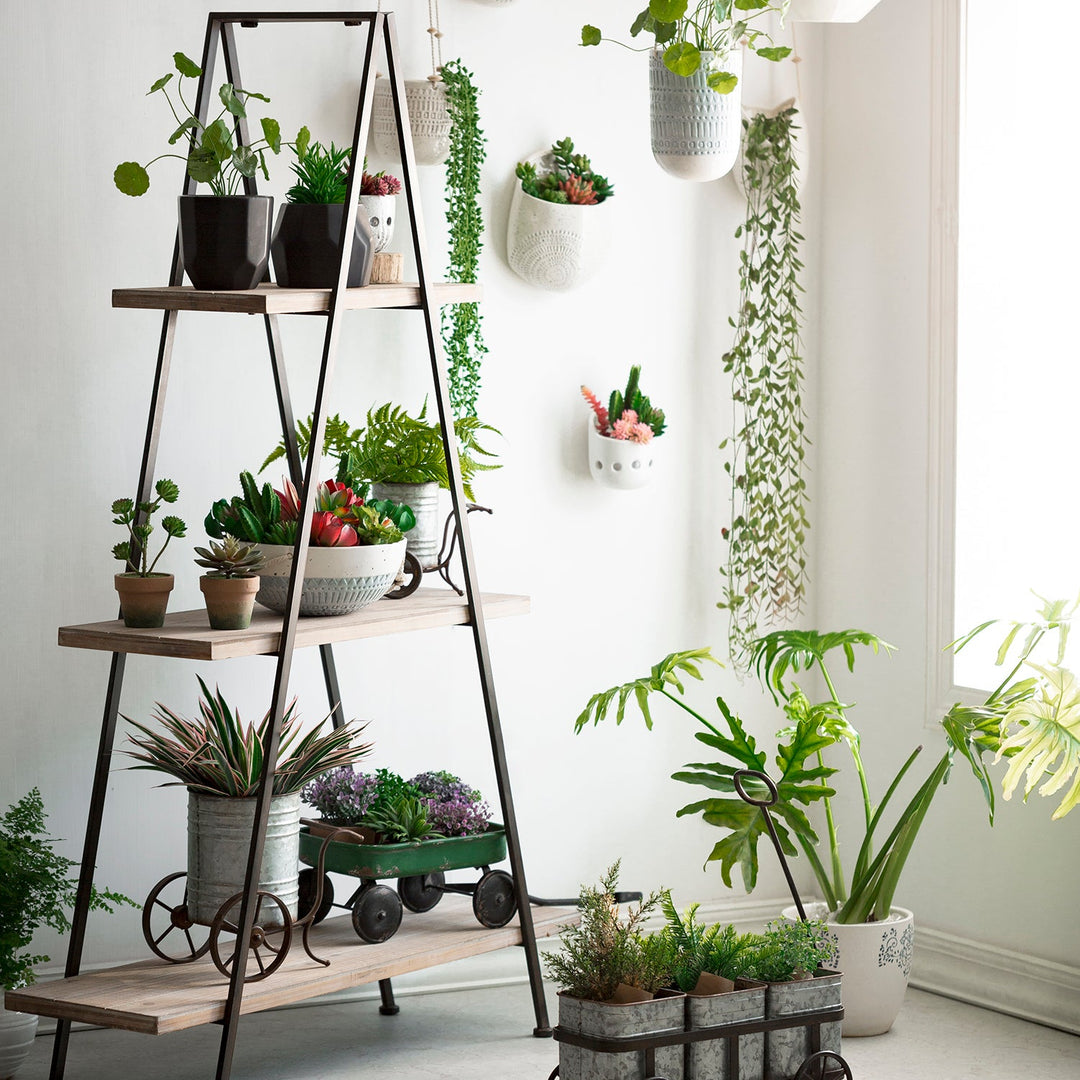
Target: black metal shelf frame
220, 29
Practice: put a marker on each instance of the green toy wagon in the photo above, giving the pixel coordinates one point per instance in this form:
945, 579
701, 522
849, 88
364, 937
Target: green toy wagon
419, 868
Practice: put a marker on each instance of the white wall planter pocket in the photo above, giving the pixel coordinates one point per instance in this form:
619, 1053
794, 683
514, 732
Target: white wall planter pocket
429, 119
620, 463
696, 132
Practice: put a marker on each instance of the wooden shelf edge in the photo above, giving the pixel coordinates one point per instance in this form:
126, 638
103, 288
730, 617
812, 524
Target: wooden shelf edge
155, 998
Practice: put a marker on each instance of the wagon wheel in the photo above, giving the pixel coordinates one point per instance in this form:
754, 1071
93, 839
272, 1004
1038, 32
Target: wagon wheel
414, 574
422, 892
262, 940
179, 922
494, 903
376, 914
817, 1067
309, 890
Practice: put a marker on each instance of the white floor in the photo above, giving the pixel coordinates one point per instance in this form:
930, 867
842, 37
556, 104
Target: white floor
487, 1033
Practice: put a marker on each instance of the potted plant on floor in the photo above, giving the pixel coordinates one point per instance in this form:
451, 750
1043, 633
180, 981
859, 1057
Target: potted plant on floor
306, 246
695, 66
232, 582
356, 552
224, 237
144, 593
36, 889
557, 233
621, 451
218, 759
613, 982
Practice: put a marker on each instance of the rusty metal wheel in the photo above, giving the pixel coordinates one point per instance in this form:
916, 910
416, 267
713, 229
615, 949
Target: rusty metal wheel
414, 574
421, 892
494, 903
824, 1065
173, 939
376, 914
267, 946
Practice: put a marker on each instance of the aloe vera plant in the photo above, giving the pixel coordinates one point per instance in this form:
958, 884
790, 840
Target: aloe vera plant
1033, 721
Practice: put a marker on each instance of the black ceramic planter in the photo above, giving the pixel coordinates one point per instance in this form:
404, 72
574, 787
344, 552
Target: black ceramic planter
306, 247
225, 239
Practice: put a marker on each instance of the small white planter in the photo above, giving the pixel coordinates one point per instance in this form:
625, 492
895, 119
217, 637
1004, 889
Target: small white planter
619, 463
555, 245
875, 959
337, 580
17, 1031
696, 132
830, 11
429, 120
382, 212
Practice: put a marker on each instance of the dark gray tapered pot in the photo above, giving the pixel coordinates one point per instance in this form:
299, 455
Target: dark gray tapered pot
306, 246
225, 239
787, 1048
708, 1060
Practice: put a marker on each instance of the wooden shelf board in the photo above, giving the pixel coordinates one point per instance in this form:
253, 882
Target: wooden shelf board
273, 300
187, 634
155, 997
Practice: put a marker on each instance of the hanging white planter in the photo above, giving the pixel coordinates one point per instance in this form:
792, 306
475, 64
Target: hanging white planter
830, 11
555, 245
695, 131
429, 120
620, 463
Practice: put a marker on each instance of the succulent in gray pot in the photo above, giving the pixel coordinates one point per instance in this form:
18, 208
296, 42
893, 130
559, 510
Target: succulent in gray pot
306, 246
224, 236
230, 586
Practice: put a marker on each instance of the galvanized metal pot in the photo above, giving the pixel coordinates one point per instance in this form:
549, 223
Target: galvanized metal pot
219, 836
709, 1059
787, 1048
657, 1017
422, 540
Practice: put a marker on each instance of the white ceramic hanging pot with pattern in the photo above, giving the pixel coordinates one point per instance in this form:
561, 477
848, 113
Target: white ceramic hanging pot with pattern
429, 120
696, 131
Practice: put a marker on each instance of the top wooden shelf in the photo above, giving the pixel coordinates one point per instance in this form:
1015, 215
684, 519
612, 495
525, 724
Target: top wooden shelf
272, 300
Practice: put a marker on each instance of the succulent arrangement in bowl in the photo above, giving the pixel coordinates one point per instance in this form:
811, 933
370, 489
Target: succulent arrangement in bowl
564, 177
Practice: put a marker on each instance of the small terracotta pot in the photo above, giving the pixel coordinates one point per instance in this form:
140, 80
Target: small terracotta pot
143, 600
229, 601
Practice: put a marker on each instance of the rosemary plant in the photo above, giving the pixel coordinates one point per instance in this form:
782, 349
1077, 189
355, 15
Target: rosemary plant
766, 565
462, 330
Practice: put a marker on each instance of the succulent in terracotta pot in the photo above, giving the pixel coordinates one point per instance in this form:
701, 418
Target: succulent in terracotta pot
231, 582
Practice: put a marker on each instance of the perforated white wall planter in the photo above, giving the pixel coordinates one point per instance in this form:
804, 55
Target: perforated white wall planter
825, 11
429, 120
619, 463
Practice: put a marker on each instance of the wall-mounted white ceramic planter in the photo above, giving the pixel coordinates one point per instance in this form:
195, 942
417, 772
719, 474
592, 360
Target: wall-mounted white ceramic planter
429, 119
826, 11
695, 131
619, 463
801, 140
555, 245
381, 211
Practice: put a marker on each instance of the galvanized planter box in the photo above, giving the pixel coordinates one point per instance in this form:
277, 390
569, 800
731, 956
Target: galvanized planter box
708, 1060
657, 1017
786, 1049
373, 861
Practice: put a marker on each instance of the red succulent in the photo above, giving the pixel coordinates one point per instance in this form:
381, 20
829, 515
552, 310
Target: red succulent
328, 530
579, 191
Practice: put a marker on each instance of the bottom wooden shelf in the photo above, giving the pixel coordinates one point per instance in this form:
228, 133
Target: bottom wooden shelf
155, 997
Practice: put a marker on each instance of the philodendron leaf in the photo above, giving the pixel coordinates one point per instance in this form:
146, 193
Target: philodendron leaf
131, 178
186, 66
667, 11
303, 141
202, 165
639, 24
774, 52
664, 31
245, 161
227, 93
254, 94
159, 84
217, 139
751, 5
272, 133
190, 124
590, 35
682, 58
723, 82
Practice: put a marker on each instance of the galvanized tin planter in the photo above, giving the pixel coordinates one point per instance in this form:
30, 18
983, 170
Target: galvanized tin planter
787, 1048
422, 540
219, 836
709, 1060
660, 1016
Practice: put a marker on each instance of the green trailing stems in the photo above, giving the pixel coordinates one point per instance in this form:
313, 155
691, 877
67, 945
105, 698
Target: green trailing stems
135, 517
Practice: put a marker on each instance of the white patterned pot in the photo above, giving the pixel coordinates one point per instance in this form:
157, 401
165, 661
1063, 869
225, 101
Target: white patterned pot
337, 580
875, 958
381, 211
555, 245
695, 131
429, 121
17, 1031
619, 463
830, 11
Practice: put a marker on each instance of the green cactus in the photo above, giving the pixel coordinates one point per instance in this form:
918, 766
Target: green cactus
249, 518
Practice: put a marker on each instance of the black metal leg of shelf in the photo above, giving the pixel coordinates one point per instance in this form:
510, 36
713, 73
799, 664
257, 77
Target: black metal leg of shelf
472, 590
388, 1006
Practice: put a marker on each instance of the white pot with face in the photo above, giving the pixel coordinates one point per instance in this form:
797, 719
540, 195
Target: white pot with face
382, 212
429, 121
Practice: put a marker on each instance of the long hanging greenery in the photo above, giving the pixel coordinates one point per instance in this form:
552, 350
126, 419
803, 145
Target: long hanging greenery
462, 333
766, 566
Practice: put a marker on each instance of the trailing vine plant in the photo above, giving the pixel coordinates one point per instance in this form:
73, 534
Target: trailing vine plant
462, 331
765, 573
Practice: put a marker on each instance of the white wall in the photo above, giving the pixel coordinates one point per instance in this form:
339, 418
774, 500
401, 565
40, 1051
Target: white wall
617, 580
1013, 886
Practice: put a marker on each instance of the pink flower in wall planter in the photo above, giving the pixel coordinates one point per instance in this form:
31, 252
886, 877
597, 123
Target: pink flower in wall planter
622, 451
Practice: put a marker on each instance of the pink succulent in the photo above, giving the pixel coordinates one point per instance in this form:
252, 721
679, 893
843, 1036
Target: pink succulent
290, 500
328, 530
336, 498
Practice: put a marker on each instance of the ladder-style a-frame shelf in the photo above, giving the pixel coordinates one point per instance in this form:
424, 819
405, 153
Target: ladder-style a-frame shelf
154, 996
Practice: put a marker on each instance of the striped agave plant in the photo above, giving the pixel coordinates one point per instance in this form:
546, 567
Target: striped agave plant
219, 755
